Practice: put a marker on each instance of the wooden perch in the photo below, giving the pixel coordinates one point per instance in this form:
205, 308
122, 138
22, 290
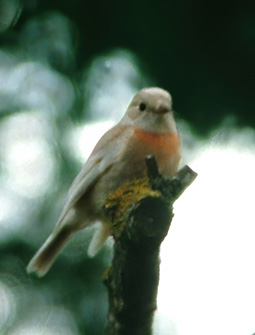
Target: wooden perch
140, 213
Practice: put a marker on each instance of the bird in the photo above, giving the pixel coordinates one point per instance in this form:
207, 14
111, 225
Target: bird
147, 128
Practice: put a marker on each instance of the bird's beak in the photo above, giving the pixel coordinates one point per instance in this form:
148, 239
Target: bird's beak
162, 108
162, 111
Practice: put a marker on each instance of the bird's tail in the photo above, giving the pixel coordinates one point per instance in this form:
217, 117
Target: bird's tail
46, 255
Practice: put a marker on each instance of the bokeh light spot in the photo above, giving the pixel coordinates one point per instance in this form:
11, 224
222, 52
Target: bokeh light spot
26, 155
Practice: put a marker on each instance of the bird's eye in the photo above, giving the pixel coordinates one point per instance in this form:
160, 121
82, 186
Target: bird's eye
142, 106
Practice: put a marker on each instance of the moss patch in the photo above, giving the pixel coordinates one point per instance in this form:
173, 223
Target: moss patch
118, 203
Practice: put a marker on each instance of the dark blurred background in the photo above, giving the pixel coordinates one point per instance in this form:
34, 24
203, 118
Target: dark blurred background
65, 64
202, 51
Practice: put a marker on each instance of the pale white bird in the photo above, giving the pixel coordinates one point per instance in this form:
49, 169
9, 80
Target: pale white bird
148, 127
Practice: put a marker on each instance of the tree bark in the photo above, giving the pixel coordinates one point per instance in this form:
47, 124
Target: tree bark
140, 214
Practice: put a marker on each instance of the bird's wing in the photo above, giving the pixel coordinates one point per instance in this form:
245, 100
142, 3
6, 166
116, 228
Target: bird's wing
106, 153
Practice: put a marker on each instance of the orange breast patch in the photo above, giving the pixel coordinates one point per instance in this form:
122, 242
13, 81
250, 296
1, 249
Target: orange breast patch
165, 143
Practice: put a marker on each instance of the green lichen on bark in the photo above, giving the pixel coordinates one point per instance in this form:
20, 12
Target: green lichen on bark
118, 204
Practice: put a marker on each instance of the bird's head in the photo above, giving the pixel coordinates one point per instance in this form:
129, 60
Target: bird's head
151, 110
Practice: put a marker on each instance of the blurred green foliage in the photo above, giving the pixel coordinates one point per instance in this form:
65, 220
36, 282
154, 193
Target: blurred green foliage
201, 51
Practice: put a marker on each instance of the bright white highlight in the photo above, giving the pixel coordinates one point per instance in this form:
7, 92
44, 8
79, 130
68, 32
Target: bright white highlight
207, 272
26, 155
83, 138
7, 305
46, 319
110, 84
